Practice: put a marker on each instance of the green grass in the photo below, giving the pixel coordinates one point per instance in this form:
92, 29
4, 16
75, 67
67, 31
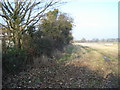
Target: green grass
65, 57
71, 53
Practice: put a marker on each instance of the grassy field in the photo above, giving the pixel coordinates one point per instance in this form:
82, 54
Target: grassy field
100, 56
82, 65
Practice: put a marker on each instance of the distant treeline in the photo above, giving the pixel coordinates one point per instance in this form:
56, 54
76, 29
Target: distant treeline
98, 40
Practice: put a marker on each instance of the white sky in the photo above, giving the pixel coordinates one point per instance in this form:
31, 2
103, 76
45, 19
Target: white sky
93, 18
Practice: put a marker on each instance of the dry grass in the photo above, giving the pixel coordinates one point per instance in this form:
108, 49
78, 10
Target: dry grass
81, 66
109, 49
93, 57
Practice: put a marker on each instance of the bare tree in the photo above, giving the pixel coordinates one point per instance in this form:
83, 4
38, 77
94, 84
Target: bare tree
20, 14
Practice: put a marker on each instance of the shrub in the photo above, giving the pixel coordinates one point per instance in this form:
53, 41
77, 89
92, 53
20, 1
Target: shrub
43, 46
13, 60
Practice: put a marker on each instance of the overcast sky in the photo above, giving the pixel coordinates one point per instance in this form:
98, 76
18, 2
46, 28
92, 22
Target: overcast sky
93, 18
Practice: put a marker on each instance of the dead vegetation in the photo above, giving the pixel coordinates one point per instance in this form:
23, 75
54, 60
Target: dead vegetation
80, 66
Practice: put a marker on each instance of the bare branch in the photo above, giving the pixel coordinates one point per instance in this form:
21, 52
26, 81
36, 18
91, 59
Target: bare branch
10, 5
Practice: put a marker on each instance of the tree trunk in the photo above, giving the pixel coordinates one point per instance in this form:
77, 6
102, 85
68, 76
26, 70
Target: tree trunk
17, 41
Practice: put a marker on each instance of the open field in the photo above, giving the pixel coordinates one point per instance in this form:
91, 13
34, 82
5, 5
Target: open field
85, 65
109, 49
100, 56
